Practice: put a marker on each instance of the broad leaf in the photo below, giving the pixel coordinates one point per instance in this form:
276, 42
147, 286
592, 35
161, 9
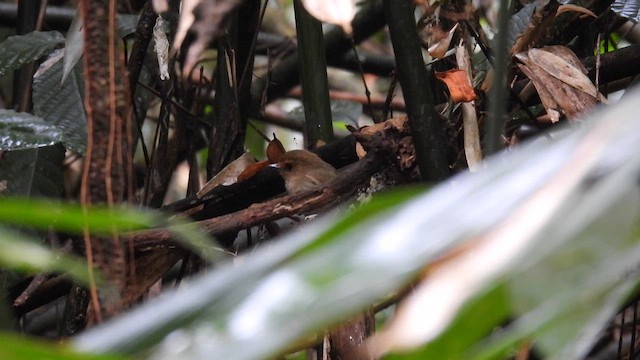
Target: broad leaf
18, 347
21, 131
60, 104
22, 254
33, 173
530, 210
19, 50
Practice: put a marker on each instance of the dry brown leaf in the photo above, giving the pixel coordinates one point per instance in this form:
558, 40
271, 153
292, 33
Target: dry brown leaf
575, 8
536, 28
439, 41
337, 12
251, 170
275, 149
547, 99
458, 83
472, 149
229, 175
207, 19
559, 80
184, 23
562, 70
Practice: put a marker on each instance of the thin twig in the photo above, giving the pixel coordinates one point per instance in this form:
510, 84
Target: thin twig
364, 81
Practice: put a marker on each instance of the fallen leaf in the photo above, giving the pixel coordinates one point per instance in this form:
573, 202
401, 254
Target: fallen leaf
457, 82
184, 22
206, 18
560, 81
575, 8
537, 20
472, 149
275, 149
562, 70
229, 175
251, 170
438, 47
161, 47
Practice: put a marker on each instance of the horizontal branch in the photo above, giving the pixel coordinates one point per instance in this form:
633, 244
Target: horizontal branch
349, 180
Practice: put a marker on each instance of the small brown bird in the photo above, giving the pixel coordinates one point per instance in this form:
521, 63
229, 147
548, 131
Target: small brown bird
303, 170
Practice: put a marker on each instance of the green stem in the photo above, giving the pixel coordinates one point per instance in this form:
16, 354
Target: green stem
426, 128
497, 100
313, 76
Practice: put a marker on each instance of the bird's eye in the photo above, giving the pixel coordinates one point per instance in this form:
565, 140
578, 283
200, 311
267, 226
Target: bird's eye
288, 166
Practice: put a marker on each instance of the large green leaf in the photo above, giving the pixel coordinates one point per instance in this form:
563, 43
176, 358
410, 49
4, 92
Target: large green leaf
61, 105
545, 206
72, 218
19, 50
21, 131
22, 254
13, 347
33, 172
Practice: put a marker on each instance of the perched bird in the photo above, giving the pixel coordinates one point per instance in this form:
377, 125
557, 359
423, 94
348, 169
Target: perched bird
303, 170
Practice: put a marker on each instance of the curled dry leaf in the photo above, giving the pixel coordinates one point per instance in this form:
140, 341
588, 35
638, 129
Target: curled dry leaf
472, 149
161, 47
439, 41
251, 170
206, 18
563, 68
184, 23
229, 175
275, 149
536, 24
575, 8
560, 81
337, 12
458, 83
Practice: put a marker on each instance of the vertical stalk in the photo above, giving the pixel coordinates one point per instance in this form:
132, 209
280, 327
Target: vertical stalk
498, 95
426, 129
313, 75
23, 78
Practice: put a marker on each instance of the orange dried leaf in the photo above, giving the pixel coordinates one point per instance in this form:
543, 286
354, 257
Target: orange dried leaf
575, 8
275, 149
251, 170
458, 84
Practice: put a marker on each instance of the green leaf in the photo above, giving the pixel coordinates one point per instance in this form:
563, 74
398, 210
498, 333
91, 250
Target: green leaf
473, 324
213, 295
22, 254
25, 131
61, 105
14, 347
546, 205
32, 173
73, 46
126, 24
43, 214
19, 50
